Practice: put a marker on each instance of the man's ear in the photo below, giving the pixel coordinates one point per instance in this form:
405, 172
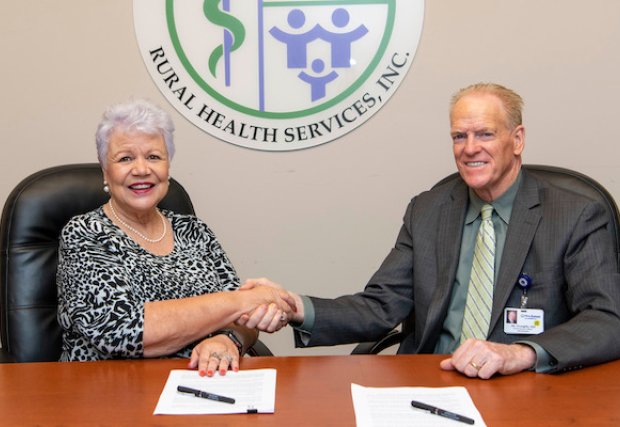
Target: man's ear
518, 135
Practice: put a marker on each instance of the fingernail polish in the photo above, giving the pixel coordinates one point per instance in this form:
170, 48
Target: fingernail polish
202, 373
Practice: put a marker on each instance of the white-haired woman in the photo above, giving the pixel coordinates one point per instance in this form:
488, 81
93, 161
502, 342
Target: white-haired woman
134, 281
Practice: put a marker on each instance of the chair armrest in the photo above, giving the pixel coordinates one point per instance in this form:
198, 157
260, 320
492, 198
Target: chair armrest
6, 357
258, 349
393, 338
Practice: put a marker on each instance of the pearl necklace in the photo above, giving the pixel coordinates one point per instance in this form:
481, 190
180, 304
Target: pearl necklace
130, 228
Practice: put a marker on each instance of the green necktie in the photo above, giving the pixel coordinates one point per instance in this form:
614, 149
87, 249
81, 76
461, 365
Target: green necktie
477, 314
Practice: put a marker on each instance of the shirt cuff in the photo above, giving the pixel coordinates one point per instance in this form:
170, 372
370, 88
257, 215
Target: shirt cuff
544, 361
308, 324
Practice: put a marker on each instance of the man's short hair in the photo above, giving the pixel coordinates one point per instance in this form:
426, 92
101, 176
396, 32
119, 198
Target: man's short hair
512, 102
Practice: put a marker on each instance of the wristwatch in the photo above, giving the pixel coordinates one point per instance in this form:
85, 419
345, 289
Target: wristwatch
233, 337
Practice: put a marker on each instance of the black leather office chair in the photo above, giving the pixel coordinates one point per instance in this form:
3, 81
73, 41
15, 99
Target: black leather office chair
33, 215
561, 177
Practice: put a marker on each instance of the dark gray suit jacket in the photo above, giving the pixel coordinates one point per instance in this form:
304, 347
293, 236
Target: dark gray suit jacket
556, 237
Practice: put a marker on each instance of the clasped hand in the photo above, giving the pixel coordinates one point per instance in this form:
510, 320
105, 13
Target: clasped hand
271, 316
264, 305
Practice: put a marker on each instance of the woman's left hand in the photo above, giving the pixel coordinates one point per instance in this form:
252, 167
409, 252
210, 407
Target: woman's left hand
213, 354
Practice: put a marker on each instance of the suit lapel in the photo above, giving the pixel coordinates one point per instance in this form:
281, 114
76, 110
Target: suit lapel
451, 215
524, 221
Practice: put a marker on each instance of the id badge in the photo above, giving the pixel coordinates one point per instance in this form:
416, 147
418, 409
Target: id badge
524, 321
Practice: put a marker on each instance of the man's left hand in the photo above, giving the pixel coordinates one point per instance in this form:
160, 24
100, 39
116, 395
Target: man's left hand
478, 358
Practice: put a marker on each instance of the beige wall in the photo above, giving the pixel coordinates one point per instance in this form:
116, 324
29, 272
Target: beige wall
320, 220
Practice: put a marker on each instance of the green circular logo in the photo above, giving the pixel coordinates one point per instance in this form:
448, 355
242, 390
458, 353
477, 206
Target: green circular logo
278, 75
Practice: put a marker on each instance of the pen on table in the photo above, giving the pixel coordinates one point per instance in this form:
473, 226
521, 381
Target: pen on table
441, 412
205, 394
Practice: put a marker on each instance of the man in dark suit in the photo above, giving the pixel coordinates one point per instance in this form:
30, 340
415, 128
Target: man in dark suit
544, 252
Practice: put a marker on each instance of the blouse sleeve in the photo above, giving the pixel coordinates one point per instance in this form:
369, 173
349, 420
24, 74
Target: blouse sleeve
96, 303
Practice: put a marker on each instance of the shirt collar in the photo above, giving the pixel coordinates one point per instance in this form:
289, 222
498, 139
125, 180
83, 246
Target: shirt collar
502, 205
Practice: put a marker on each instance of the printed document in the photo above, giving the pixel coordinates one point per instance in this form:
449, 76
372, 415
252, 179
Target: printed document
253, 391
391, 407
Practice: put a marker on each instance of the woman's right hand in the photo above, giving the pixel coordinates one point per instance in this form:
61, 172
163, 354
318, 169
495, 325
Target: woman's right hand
271, 316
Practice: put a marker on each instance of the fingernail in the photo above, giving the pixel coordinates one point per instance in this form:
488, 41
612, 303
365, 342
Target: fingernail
222, 371
202, 373
236, 369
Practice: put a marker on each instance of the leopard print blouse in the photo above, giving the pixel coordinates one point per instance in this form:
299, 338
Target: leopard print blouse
104, 278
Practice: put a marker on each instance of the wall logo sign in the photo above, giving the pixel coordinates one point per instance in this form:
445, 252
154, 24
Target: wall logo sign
278, 75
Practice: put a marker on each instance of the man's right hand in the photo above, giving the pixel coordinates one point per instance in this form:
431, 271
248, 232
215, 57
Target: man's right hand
270, 317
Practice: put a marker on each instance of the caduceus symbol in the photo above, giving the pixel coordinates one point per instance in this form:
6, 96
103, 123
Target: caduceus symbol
234, 34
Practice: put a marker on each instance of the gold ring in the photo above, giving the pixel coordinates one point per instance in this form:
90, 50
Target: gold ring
476, 367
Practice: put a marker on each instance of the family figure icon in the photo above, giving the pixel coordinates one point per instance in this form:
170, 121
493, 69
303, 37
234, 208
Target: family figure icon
297, 48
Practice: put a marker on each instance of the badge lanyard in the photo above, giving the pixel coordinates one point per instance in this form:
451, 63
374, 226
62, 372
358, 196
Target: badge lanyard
528, 321
524, 282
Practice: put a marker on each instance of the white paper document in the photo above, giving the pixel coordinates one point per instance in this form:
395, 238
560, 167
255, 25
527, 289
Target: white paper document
253, 391
391, 406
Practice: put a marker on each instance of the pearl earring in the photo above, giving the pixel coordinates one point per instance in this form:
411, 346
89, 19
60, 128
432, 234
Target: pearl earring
106, 189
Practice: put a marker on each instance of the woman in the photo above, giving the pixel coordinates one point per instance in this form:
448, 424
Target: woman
134, 281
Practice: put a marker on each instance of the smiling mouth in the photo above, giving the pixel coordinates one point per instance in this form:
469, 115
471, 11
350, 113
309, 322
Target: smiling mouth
141, 186
475, 164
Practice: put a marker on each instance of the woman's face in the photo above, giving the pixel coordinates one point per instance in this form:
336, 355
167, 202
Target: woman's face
137, 171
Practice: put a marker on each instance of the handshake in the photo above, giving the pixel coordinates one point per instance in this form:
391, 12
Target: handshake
271, 307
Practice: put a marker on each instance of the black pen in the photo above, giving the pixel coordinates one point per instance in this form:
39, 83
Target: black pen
441, 412
205, 395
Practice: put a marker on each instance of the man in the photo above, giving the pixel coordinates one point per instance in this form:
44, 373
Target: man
511, 316
449, 279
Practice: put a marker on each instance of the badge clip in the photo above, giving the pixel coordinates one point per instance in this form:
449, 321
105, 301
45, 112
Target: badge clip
524, 282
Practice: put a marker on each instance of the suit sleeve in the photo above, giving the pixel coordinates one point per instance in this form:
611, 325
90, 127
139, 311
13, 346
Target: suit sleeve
366, 316
592, 334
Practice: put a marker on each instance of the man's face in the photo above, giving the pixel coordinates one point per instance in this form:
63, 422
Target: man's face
486, 151
512, 316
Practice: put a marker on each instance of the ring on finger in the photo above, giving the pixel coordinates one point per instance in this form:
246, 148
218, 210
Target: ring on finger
475, 366
215, 355
283, 317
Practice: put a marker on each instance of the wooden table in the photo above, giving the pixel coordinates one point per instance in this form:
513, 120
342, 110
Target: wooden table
310, 391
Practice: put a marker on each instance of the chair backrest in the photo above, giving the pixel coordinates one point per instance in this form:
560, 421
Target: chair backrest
33, 216
577, 183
